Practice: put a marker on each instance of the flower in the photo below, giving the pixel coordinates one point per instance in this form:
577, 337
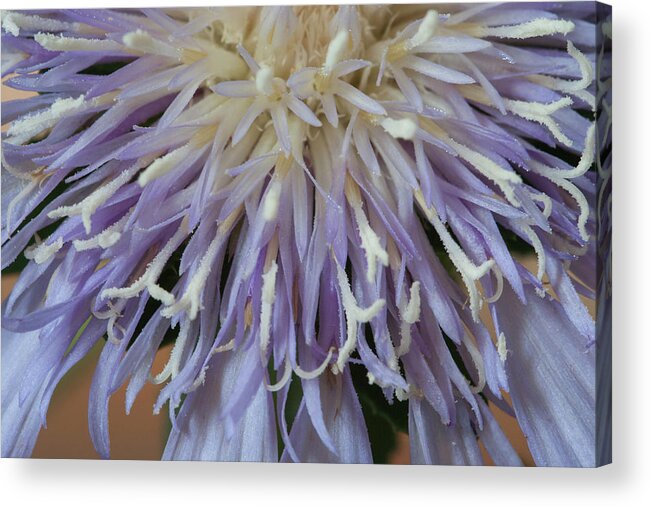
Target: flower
295, 196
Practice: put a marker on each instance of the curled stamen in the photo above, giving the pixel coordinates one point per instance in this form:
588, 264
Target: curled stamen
317, 371
540, 253
354, 316
45, 251
478, 362
574, 87
153, 271
191, 299
577, 195
541, 113
499, 278
546, 202
105, 239
287, 375
469, 272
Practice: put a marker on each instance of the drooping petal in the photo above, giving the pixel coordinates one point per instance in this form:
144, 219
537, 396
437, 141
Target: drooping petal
433, 443
551, 376
343, 415
200, 432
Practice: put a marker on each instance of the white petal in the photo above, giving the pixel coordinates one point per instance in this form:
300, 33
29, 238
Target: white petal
235, 89
358, 99
436, 71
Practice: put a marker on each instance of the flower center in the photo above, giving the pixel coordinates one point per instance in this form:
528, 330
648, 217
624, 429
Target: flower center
314, 34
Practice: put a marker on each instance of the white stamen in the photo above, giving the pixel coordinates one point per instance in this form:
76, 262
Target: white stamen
410, 314
560, 177
105, 239
354, 316
535, 28
271, 201
546, 202
411, 392
143, 42
24, 129
13, 22
110, 330
89, 205
161, 166
584, 208
370, 240
541, 113
502, 351
10, 25
160, 294
112, 315
153, 271
44, 251
199, 381
264, 81
426, 29
401, 395
540, 252
469, 272
564, 85
501, 177
336, 50
287, 374
61, 43
224, 348
266, 306
316, 372
499, 279
371, 245
586, 161
191, 299
478, 361
404, 128
172, 367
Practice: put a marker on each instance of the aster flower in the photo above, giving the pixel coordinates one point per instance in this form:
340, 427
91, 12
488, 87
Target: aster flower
311, 203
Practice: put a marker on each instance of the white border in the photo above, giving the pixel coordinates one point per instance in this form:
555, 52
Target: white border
96, 483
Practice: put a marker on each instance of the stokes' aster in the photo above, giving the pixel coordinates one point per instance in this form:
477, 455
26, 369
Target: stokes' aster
295, 195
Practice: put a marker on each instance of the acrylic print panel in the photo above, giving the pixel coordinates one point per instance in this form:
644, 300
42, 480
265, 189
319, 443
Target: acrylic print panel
342, 234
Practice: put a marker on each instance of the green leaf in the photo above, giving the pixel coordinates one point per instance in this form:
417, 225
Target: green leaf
383, 419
